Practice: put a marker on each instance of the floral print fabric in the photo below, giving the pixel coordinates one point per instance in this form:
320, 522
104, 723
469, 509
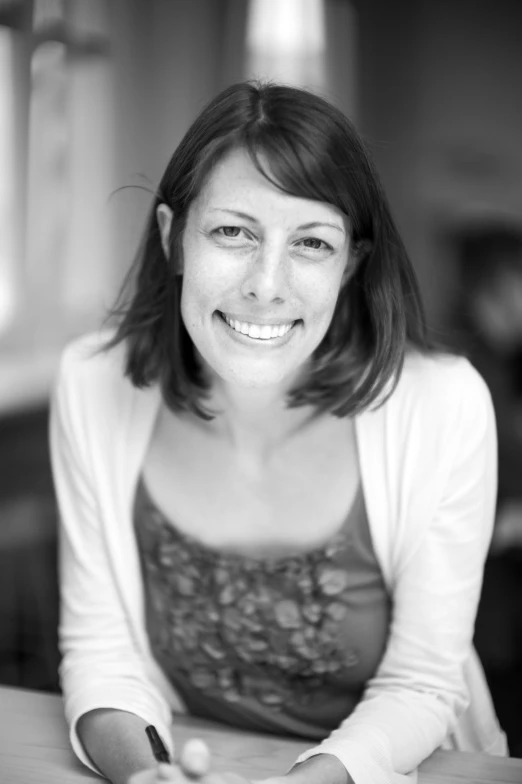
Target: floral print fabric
298, 635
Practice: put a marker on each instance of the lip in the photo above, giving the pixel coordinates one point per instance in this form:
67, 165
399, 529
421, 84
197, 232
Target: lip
245, 340
254, 320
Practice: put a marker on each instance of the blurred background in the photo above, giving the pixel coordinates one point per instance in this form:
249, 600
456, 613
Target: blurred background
94, 97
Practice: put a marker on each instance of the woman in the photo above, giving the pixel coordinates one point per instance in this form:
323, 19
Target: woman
276, 497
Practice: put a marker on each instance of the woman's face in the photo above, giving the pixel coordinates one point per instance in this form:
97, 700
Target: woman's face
262, 271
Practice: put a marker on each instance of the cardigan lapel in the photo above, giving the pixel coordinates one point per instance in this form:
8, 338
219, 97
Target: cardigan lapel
374, 467
136, 425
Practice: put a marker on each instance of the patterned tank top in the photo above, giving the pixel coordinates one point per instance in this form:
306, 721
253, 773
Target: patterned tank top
282, 644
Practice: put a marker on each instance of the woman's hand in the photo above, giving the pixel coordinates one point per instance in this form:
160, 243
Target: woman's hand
194, 766
173, 774
159, 774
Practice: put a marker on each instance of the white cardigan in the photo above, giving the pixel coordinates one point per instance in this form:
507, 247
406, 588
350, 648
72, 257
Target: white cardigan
428, 468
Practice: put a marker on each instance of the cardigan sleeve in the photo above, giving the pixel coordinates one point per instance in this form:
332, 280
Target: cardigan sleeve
101, 666
418, 692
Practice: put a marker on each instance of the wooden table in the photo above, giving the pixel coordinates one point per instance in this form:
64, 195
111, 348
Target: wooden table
34, 749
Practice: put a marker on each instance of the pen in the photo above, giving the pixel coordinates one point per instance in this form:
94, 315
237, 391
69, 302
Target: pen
156, 744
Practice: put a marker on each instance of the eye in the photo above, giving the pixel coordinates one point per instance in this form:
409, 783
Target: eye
229, 231
313, 243
233, 237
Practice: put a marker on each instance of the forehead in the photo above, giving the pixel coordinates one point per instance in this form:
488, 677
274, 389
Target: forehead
236, 184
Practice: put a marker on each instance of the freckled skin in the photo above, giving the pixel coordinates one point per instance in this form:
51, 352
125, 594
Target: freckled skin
267, 269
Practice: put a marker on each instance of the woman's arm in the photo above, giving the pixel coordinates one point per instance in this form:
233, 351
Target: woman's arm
101, 666
322, 769
116, 743
418, 692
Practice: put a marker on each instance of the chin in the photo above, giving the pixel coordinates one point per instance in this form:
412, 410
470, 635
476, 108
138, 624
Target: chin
256, 379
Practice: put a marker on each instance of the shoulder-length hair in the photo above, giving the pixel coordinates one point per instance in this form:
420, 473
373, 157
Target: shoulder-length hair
309, 149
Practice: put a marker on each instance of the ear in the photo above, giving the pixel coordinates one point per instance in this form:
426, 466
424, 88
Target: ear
164, 217
359, 251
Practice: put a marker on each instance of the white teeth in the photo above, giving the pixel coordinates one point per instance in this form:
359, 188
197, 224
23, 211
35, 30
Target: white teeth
258, 331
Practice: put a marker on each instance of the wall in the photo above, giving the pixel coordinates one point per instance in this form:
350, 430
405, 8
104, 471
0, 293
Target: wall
169, 60
440, 103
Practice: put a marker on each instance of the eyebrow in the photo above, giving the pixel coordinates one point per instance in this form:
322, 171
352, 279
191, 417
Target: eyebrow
246, 216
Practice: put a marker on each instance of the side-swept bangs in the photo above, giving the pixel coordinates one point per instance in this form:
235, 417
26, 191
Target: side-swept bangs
309, 149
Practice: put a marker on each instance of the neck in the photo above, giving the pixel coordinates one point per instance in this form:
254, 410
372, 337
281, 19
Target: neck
256, 421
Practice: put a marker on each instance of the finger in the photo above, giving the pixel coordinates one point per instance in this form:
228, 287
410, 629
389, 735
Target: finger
166, 772
195, 758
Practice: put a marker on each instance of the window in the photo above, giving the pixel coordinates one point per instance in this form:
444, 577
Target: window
286, 42
55, 148
7, 181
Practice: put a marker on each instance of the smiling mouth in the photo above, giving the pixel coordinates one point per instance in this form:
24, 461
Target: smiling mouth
258, 331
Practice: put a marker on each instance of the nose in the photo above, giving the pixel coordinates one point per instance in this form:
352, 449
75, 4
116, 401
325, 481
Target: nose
266, 280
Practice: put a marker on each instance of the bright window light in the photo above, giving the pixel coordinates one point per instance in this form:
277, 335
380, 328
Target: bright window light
286, 26
286, 41
7, 219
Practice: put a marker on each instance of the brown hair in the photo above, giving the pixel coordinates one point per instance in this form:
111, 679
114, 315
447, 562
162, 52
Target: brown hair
313, 151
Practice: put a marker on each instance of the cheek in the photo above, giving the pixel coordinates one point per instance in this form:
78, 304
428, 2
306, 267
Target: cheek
195, 293
208, 273
198, 283
322, 296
